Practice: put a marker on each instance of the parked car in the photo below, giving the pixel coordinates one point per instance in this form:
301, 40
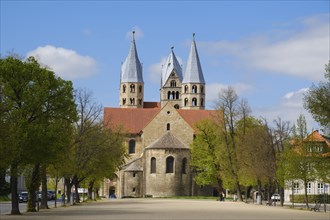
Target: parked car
275, 197
52, 193
49, 196
23, 197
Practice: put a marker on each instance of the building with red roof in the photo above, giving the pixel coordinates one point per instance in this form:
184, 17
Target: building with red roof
159, 134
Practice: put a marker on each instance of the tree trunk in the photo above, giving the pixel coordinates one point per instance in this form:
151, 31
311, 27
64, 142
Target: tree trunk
44, 196
68, 186
239, 192
306, 196
76, 186
281, 192
32, 188
56, 183
13, 189
259, 190
90, 190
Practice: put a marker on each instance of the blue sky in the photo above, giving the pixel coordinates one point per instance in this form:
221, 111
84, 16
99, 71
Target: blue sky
271, 52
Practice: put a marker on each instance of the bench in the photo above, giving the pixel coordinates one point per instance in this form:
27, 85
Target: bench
316, 207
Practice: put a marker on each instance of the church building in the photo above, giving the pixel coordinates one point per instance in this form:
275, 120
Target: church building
159, 134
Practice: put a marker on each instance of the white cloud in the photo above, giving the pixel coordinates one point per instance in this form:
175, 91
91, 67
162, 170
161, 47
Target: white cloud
138, 33
155, 69
289, 108
66, 63
213, 89
298, 49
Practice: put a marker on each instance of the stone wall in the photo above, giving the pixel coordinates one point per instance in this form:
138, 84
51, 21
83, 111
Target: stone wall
158, 127
167, 184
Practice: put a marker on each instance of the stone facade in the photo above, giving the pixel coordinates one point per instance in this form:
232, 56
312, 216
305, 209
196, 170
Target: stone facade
159, 134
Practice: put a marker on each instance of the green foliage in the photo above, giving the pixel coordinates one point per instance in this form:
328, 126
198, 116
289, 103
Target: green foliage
317, 100
205, 154
311, 198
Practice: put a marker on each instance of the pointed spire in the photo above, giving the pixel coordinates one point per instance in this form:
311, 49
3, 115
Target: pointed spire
171, 64
131, 70
193, 73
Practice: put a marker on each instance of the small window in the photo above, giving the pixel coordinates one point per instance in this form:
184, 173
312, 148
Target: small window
309, 188
140, 101
124, 88
202, 89
134, 174
133, 190
153, 165
194, 102
176, 106
168, 127
194, 89
124, 101
132, 88
185, 89
185, 101
202, 102
132, 100
131, 147
168, 95
173, 83
184, 166
170, 164
177, 95
140, 89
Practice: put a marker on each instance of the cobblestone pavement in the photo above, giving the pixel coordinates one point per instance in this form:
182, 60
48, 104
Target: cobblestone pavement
169, 209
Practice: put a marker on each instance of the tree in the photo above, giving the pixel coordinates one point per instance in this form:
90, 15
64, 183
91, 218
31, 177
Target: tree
281, 137
256, 158
95, 151
232, 109
32, 97
317, 100
205, 155
298, 161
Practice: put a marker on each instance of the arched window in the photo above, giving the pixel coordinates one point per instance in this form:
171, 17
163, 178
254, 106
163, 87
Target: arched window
173, 95
173, 83
131, 146
124, 101
185, 101
202, 89
153, 165
184, 166
177, 95
168, 95
140, 89
194, 89
185, 89
194, 102
140, 101
168, 127
124, 88
132, 87
132, 100
170, 164
202, 102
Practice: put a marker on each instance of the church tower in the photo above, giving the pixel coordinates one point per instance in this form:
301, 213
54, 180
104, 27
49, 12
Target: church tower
171, 80
131, 80
193, 84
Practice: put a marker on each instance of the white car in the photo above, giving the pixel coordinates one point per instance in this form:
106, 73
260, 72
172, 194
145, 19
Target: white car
275, 197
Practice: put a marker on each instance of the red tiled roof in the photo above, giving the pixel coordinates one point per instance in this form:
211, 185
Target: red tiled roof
193, 116
316, 136
133, 120
151, 104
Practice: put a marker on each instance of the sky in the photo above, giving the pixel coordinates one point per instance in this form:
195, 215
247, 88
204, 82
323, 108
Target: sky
270, 52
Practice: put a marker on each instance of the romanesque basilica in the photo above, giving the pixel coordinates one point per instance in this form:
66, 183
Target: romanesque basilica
159, 134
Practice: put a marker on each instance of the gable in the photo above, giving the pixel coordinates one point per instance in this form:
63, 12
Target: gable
157, 127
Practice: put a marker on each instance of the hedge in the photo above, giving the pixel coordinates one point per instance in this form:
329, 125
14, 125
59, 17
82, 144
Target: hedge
311, 198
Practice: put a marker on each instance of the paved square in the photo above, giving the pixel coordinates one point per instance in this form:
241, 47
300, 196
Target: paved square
170, 209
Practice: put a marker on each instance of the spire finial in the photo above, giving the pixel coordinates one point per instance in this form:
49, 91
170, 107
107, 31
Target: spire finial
133, 33
194, 36
172, 47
